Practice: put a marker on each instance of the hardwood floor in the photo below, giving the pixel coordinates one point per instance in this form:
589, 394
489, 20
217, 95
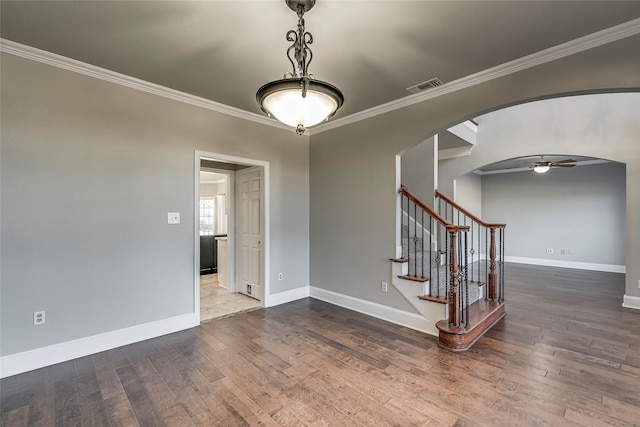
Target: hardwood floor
216, 301
567, 353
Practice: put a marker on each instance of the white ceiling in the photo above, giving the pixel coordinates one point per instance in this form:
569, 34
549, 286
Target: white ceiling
372, 50
207, 177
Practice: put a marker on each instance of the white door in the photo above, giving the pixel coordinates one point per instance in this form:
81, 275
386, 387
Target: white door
249, 232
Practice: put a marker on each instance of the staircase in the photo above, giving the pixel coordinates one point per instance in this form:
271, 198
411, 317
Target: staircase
450, 268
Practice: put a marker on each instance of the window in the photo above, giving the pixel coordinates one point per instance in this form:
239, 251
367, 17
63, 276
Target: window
207, 216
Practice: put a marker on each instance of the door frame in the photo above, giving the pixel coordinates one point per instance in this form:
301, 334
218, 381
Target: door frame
266, 256
230, 185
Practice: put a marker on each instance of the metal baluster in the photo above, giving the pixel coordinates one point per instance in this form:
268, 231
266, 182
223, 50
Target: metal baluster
479, 250
448, 286
408, 210
430, 255
422, 244
471, 249
486, 262
415, 240
405, 255
402, 224
438, 243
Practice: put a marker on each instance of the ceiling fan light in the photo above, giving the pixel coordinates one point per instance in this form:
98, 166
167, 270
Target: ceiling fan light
541, 168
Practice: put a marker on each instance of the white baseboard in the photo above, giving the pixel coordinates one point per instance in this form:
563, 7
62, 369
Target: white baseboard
18, 363
288, 296
611, 268
631, 302
393, 315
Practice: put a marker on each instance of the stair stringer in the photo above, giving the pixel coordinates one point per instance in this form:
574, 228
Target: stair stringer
411, 290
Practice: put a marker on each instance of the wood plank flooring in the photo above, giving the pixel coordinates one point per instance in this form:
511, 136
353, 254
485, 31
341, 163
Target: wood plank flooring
566, 354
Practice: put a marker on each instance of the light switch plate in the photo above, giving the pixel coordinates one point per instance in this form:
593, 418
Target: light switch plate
173, 218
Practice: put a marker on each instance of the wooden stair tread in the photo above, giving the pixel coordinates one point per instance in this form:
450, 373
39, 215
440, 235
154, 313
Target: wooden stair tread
414, 278
432, 299
482, 316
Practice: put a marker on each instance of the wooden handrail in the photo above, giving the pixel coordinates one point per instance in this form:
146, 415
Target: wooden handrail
434, 214
467, 213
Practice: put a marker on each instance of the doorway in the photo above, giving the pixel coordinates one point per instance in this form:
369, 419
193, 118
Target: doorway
231, 235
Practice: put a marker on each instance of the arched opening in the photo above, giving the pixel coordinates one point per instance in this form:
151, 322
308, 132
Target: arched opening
568, 217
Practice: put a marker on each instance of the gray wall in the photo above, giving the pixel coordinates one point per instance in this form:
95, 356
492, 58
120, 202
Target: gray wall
417, 170
602, 126
210, 190
468, 194
352, 174
582, 209
89, 170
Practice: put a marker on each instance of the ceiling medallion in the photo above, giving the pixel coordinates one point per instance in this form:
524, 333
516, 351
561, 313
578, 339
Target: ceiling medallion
299, 100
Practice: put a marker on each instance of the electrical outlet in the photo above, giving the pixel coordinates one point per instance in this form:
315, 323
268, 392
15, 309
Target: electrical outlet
39, 318
384, 287
280, 276
550, 250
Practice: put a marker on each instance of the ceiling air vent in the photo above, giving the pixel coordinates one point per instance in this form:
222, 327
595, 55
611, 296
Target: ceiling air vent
429, 84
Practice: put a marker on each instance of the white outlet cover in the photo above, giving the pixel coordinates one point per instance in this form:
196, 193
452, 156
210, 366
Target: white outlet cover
173, 217
39, 318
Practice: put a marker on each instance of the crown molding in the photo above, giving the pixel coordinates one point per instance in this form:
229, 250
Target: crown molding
590, 41
42, 56
560, 51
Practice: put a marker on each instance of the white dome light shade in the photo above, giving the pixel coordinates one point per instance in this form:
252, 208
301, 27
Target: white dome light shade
292, 109
541, 168
283, 100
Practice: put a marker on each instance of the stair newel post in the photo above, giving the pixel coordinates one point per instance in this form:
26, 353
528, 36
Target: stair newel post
466, 280
492, 264
454, 292
486, 261
501, 281
430, 255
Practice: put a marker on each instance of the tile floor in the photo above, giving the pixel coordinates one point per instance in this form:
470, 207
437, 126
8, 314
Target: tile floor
216, 301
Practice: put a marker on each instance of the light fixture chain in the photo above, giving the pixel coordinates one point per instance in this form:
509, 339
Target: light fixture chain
302, 54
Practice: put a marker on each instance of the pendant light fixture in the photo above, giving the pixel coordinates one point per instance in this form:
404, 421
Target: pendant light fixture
299, 100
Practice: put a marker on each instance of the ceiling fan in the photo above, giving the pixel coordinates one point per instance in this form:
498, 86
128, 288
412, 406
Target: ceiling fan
542, 166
